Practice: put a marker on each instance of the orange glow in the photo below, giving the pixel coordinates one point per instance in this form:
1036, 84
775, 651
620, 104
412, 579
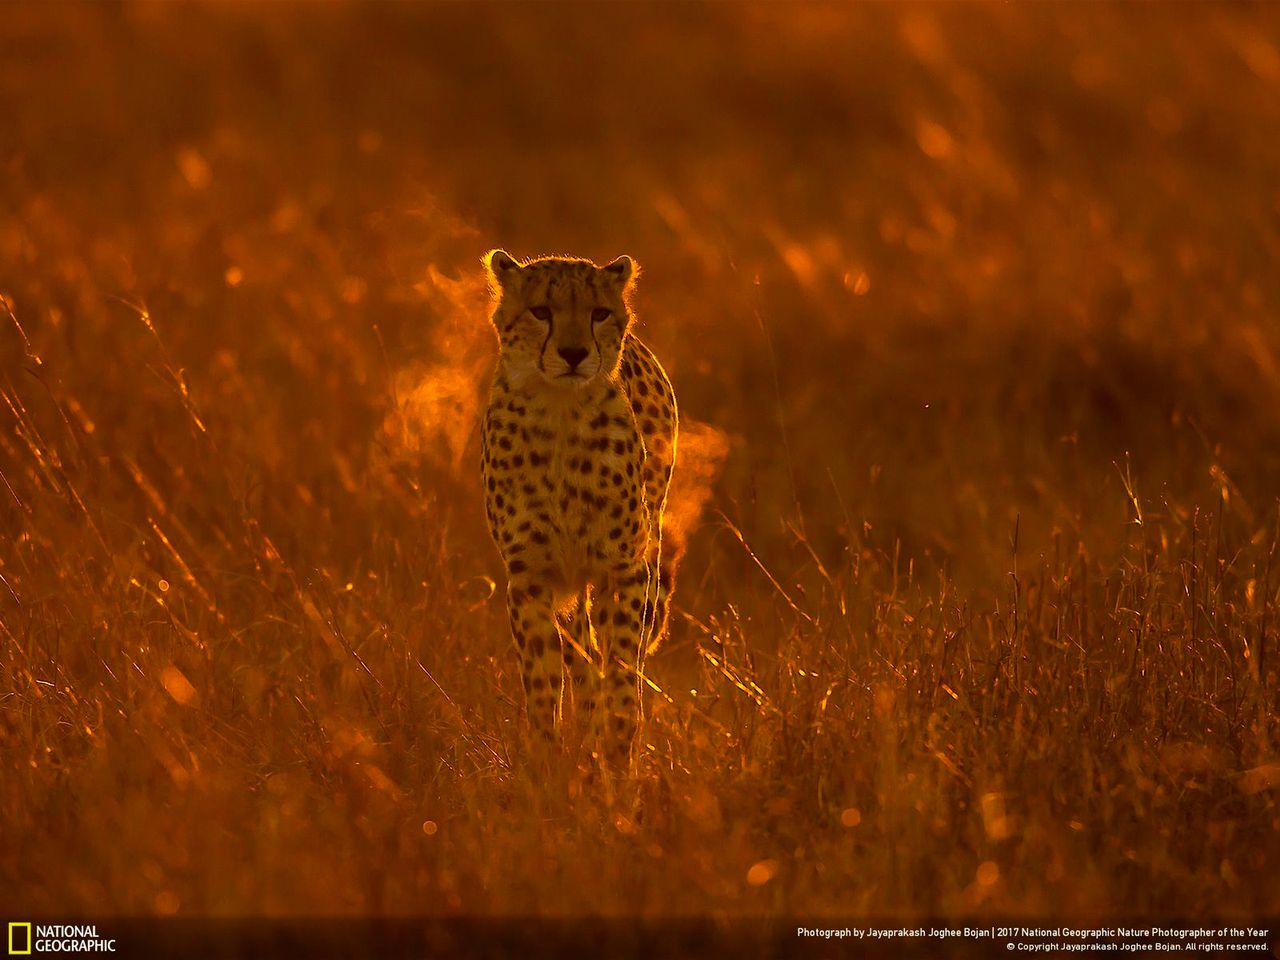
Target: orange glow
178, 686
701, 450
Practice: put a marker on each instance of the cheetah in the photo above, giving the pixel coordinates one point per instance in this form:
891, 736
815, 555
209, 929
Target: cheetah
578, 445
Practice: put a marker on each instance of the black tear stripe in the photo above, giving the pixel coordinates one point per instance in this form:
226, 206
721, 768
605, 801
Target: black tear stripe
551, 324
551, 328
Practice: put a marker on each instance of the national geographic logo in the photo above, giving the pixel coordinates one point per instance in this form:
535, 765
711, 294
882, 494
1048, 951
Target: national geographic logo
19, 939
27, 938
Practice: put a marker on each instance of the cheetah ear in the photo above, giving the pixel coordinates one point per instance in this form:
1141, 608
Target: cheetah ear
501, 266
624, 270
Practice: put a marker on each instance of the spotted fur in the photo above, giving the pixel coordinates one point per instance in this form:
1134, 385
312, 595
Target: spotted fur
579, 442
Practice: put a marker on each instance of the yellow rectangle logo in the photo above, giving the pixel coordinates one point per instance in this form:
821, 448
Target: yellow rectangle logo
13, 947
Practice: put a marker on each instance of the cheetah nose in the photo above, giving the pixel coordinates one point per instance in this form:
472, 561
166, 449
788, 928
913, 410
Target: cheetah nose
573, 355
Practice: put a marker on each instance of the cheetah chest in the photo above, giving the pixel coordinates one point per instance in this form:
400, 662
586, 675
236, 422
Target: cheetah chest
593, 474
575, 488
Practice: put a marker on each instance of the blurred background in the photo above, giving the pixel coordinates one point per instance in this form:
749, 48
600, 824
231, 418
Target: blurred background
971, 314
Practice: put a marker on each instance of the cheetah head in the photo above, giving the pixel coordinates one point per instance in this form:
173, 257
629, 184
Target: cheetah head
560, 319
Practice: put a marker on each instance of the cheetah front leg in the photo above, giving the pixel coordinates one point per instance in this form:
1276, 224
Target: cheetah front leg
533, 627
617, 614
580, 659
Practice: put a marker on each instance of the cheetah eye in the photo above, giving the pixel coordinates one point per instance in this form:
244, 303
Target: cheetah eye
601, 314
542, 313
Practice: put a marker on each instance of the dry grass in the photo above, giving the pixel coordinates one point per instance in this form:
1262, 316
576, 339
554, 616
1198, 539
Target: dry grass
977, 306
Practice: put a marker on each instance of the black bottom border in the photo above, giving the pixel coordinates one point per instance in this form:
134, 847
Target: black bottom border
740, 938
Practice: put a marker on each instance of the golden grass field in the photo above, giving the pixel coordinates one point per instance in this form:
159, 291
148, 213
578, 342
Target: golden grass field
972, 315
